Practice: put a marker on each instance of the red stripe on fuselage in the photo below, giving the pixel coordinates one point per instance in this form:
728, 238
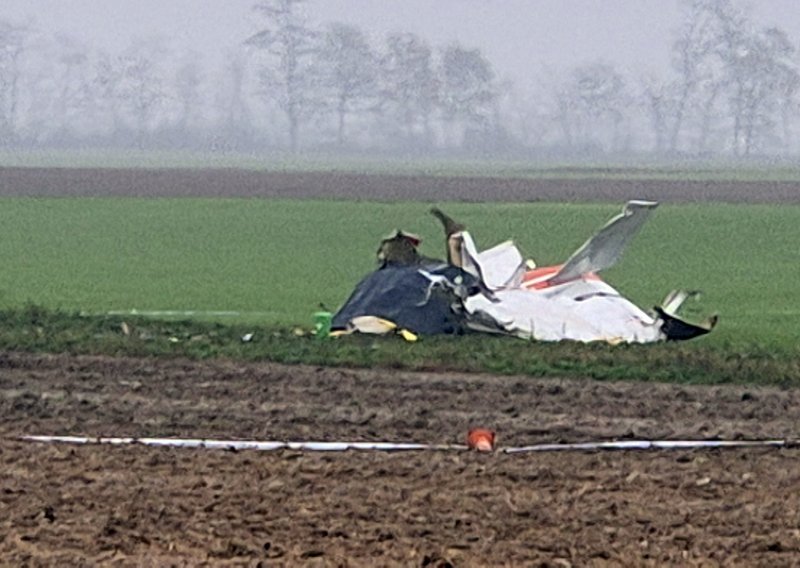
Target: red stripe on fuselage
540, 277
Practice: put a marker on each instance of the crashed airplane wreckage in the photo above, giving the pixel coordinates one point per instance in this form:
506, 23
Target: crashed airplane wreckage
498, 291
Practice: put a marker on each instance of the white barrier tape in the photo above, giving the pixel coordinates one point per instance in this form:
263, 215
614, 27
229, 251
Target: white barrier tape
246, 444
650, 445
393, 446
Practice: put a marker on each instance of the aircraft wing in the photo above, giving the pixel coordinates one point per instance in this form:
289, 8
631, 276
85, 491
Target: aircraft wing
605, 248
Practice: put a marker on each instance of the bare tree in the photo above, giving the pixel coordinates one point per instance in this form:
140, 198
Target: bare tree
658, 102
732, 46
133, 88
787, 82
694, 59
349, 72
107, 77
289, 44
760, 77
140, 86
591, 104
233, 103
12, 45
772, 86
409, 89
188, 83
73, 88
467, 90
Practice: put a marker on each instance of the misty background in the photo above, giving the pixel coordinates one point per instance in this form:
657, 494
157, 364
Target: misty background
522, 79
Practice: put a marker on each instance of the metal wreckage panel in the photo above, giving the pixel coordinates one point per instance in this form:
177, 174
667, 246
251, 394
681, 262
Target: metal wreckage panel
497, 291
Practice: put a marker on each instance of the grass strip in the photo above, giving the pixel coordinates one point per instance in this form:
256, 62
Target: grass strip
38, 330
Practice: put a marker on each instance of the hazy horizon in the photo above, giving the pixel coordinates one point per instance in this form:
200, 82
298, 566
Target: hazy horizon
505, 76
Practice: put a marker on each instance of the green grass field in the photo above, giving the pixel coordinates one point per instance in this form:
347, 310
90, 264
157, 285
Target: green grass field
275, 261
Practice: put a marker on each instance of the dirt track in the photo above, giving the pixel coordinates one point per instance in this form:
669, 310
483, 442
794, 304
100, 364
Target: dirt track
335, 185
73, 505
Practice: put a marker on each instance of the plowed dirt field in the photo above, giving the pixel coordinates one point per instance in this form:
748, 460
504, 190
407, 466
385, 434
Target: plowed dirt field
68, 505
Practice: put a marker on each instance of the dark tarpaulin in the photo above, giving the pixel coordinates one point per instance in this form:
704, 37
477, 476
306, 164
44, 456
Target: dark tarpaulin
407, 297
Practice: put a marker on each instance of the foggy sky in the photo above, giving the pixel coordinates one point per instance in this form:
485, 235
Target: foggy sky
519, 37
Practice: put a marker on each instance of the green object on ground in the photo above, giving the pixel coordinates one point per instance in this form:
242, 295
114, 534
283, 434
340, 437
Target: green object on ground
322, 324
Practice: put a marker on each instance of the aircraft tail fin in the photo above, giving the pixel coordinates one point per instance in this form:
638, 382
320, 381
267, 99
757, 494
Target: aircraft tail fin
605, 248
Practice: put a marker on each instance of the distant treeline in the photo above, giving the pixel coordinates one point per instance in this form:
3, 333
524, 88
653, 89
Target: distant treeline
295, 85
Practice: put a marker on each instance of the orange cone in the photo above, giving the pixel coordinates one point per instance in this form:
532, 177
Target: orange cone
481, 439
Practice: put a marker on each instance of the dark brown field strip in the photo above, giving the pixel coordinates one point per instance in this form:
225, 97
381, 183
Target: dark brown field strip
135, 182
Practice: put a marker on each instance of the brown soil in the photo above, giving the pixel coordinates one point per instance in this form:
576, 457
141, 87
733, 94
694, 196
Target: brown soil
87, 505
249, 183
66, 505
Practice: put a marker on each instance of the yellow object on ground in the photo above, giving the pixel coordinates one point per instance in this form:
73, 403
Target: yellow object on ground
408, 336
